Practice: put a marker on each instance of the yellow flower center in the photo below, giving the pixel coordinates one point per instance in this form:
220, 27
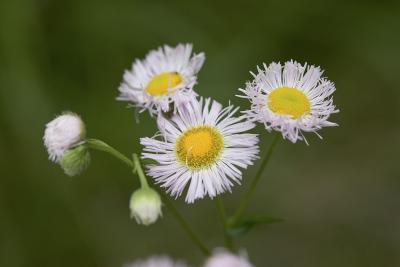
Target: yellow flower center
160, 83
199, 147
288, 101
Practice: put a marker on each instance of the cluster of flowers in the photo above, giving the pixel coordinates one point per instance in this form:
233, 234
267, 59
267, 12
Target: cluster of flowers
220, 258
201, 146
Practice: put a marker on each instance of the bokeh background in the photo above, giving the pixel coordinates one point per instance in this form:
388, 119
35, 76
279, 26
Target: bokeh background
340, 197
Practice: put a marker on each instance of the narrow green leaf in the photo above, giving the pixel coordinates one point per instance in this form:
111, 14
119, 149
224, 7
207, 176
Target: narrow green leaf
147, 161
246, 224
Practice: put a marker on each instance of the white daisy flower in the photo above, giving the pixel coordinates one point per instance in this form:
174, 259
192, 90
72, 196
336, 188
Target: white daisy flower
202, 146
156, 261
290, 99
223, 258
63, 133
165, 77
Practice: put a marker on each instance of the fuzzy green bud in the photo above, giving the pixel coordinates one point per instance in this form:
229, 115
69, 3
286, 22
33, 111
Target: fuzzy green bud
75, 160
145, 206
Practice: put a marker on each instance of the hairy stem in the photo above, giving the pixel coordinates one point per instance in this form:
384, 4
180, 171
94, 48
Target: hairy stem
193, 236
229, 242
245, 200
139, 171
102, 146
136, 167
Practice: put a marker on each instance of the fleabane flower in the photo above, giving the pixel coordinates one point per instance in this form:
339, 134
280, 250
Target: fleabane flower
290, 98
63, 133
156, 261
145, 205
165, 78
204, 146
64, 139
223, 258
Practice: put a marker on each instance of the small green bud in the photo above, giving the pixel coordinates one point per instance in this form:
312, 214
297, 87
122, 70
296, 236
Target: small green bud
75, 160
145, 206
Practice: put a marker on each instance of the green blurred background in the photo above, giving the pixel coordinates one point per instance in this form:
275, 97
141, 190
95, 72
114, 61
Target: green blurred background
340, 197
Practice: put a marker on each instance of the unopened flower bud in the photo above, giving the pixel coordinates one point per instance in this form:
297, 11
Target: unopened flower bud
145, 206
63, 133
75, 160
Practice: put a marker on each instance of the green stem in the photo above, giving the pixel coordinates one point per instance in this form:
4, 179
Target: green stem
245, 200
193, 236
139, 171
137, 168
102, 146
229, 242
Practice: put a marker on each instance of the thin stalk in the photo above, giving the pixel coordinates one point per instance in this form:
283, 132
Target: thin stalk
245, 200
137, 168
139, 171
186, 226
102, 146
229, 242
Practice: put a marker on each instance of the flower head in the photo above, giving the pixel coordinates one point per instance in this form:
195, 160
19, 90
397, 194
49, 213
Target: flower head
145, 206
290, 98
156, 261
204, 146
62, 133
223, 258
164, 78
